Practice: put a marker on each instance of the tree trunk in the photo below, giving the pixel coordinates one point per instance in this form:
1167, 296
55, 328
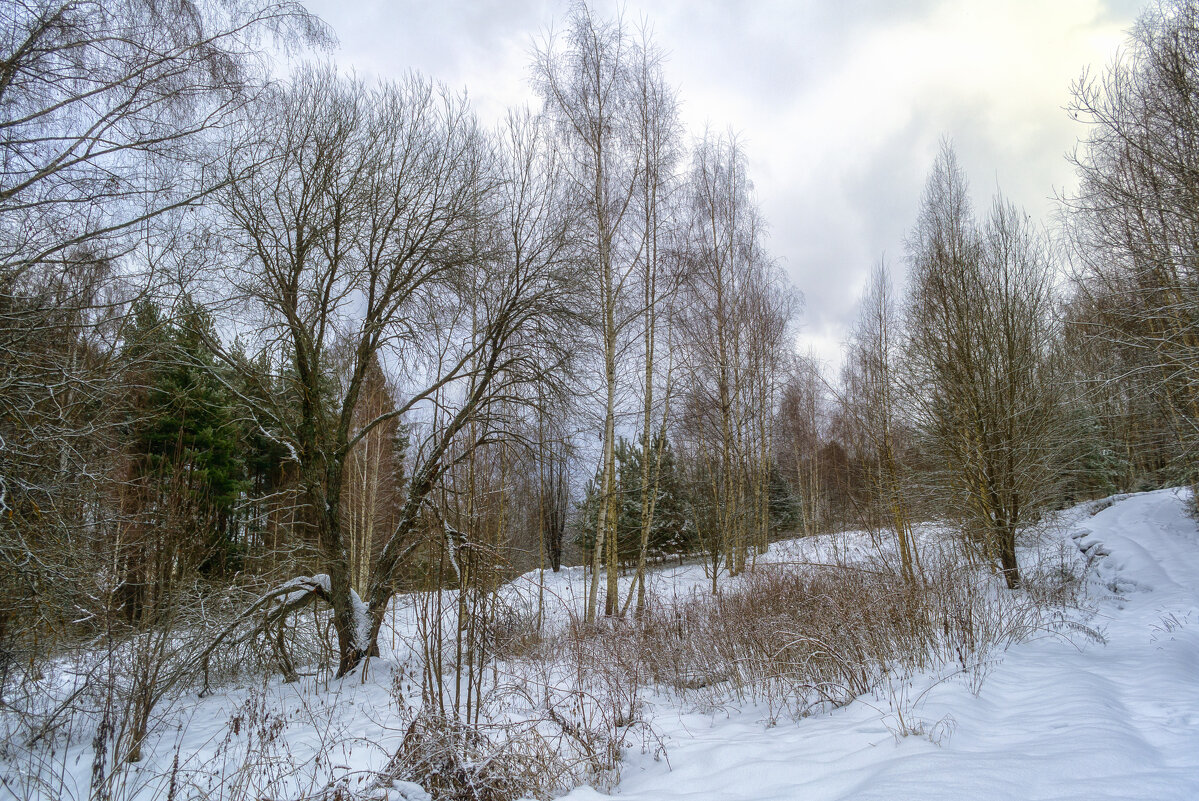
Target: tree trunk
1007, 558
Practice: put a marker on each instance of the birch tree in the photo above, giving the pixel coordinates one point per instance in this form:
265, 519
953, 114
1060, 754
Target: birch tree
658, 134
722, 253
586, 82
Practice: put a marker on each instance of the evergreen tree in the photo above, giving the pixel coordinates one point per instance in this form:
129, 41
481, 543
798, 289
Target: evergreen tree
185, 465
672, 533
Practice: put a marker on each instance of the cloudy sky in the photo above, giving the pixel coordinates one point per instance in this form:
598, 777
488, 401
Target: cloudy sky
841, 105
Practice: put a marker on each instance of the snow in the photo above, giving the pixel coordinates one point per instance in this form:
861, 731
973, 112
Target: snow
321, 582
362, 621
406, 791
1050, 718
1054, 719
305, 585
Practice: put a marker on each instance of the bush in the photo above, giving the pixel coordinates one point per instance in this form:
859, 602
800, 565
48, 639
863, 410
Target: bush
455, 761
803, 638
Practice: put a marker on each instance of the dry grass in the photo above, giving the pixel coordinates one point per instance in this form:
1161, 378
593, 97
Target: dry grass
801, 638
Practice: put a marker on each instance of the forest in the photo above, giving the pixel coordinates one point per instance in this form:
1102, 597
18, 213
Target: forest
310, 380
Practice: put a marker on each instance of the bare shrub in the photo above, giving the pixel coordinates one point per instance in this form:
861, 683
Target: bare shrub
515, 632
456, 761
578, 691
122, 690
802, 638
253, 759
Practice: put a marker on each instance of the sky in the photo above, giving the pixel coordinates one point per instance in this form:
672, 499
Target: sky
841, 105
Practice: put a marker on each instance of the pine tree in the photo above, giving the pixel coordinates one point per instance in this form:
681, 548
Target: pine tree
184, 471
672, 533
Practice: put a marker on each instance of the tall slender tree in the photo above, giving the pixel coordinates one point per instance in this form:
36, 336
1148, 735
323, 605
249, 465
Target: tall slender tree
871, 385
587, 84
726, 268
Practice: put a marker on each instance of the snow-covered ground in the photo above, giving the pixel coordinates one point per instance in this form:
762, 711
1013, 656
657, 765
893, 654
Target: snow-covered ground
1051, 718
1054, 719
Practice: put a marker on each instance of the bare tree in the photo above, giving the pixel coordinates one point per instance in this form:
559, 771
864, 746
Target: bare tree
981, 333
374, 478
725, 270
800, 432
772, 309
553, 460
658, 134
587, 85
383, 220
1132, 222
871, 384
107, 107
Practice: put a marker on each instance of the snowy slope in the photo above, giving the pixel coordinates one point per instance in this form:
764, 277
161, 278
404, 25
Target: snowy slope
1054, 719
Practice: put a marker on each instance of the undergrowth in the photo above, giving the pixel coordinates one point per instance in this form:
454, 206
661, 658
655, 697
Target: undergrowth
562, 702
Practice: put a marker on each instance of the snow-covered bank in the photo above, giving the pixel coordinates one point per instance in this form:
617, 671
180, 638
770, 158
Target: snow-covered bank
1054, 719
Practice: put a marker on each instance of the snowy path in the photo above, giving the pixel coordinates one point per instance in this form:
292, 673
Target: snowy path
1054, 720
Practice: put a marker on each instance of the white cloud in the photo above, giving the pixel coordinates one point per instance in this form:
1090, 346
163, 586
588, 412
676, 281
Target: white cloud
841, 107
